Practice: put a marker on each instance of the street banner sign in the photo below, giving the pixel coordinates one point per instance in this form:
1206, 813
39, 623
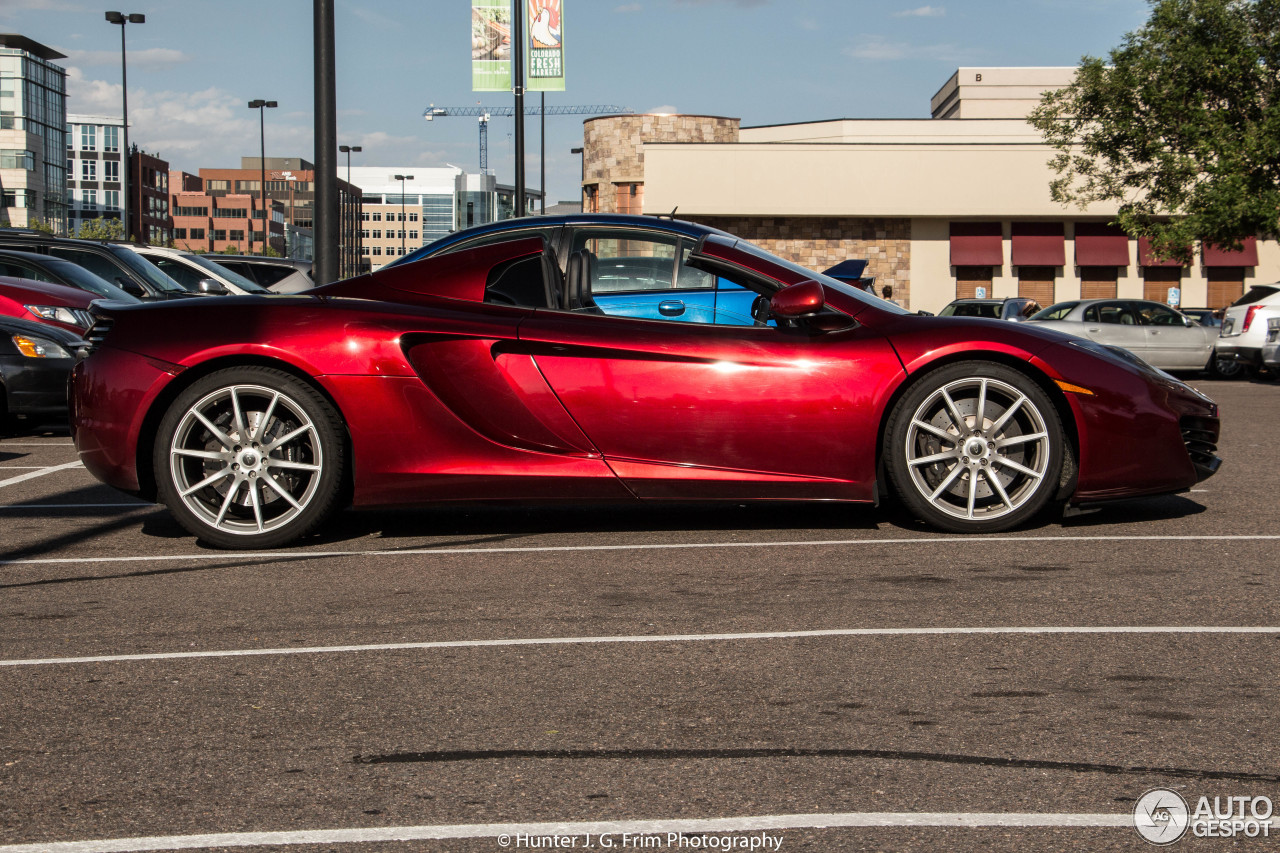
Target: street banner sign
491, 45
545, 45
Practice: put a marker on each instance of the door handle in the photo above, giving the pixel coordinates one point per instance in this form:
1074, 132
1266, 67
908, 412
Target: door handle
1155, 331
671, 308
1094, 330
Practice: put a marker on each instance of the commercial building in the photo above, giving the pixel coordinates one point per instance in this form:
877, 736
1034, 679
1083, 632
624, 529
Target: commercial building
33, 131
941, 207
435, 201
214, 222
94, 187
291, 183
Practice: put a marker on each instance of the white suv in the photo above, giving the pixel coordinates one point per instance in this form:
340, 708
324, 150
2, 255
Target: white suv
1245, 325
196, 273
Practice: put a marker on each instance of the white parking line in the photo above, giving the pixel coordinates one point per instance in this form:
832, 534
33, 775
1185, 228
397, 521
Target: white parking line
659, 638
37, 444
509, 834
668, 546
136, 504
53, 469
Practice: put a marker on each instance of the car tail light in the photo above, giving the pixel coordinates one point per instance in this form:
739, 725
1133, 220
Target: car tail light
1248, 317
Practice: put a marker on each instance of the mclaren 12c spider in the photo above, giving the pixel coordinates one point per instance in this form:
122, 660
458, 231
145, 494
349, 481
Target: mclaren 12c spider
526, 361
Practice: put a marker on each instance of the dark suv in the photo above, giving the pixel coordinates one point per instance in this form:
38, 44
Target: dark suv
117, 264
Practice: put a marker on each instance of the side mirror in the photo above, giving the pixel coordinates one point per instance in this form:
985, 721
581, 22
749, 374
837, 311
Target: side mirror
213, 286
130, 287
802, 299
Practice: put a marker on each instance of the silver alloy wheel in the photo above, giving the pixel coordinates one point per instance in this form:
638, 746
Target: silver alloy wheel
246, 459
977, 449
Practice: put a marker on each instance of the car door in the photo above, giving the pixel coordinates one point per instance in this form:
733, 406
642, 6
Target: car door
1115, 323
699, 410
1171, 343
100, 265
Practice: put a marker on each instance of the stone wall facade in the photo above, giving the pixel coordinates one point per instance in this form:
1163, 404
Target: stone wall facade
613, 152
818, 243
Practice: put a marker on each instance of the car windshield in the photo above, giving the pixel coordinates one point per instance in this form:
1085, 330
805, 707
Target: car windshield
826, 280
1054, 312
230, 275
1256, 294
971, 309
147, 271
78, 276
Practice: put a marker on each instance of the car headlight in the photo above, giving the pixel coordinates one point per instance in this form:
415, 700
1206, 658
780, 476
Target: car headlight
33, 347
56, 313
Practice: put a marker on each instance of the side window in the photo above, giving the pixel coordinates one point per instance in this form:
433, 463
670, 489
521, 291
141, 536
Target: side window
21, 270
1111, 313
520, 283
628, 261
1155, 314
94, 263
181, 273
547, 235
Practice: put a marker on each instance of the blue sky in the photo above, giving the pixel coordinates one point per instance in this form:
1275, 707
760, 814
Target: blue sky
194, 66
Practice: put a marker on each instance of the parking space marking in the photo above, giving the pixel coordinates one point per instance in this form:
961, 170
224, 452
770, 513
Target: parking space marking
52, 469
137, 504
664, 546
507, 833
657, 638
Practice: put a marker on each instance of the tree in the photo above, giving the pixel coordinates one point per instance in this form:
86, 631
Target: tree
36, 225
1180, 127
101, 229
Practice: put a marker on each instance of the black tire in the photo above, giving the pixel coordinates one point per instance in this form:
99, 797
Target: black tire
964, 477
269, 472
1225, 368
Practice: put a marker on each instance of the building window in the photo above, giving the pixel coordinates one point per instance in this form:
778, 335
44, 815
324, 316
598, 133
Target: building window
969, 279
237, 236
71, 142
1226, 285
364, 216
90, 199
629, 197
111, 139
191, 211
1098, 282
591, 198
179, 233
364, 250
377, 217
413, 235
413, 217
197, 233
110, 170
71, 169
377, 250
88, 138
111, 199
219, 235
1036, 283
377, 233
215, 185
88, 170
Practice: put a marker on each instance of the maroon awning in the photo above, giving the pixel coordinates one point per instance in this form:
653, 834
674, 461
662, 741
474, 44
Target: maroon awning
1247, 256
1039, 244
1100, 244
976, 244
1146, 259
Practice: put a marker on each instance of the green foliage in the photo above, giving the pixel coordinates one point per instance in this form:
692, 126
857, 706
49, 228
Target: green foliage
36, 225
230, 250
101, 229
271, 252
1181, 127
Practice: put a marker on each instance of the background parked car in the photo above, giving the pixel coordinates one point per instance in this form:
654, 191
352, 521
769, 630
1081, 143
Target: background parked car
1151, 330
35, 364
196, 272
1016, 308
110, 261
1271, 346
42, 302
1245, 325
1211, 317
34, 267
279, 275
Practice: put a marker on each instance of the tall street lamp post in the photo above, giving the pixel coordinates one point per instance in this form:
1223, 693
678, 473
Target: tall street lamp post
123, 19
353, 249
259, 105
402, 179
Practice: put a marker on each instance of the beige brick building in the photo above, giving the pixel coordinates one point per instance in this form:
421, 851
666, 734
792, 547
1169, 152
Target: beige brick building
947, 206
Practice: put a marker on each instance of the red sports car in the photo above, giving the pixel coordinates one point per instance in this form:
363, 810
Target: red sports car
526, 361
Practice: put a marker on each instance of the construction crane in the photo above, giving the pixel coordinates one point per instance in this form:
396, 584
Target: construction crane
485, 113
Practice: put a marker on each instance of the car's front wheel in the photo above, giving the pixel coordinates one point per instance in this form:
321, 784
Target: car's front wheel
975, 447
1225, 368
250, 457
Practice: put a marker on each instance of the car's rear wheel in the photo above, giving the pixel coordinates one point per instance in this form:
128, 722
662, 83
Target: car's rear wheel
250, 457
1225, 368
975, 447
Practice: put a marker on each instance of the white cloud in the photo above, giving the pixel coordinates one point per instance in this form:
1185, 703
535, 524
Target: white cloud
878, 48
922, 12
155, 57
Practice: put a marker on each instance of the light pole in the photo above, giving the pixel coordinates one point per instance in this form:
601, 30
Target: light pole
123, 19
353, 249
402, 179
262, 162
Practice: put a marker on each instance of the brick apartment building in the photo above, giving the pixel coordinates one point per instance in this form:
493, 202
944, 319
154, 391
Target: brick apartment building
205, 221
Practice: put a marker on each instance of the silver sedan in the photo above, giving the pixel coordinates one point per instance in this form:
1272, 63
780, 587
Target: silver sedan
1152, 330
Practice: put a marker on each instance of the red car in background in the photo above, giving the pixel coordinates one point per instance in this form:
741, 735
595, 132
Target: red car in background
46, 302
482, 368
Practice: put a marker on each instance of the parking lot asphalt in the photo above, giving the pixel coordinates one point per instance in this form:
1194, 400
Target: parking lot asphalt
816, 677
